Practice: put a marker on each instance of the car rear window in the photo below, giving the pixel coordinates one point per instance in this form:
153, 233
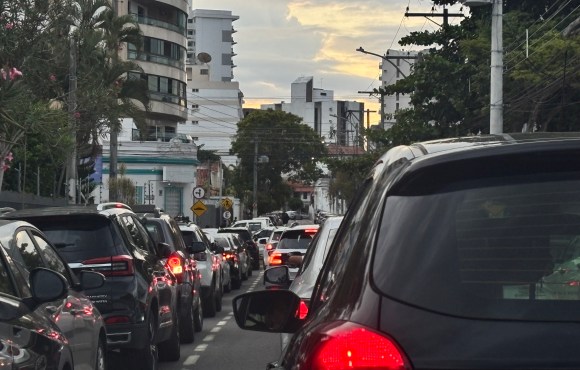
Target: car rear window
296, 239
500, 248
82, 238
189, 236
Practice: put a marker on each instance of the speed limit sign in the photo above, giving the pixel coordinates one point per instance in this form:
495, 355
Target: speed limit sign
227, 215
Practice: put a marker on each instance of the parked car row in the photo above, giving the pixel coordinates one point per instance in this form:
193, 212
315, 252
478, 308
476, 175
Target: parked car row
78, 282
475, 236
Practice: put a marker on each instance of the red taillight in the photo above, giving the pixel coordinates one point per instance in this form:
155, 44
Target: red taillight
269, 247
275, 259
111, 266
302, 310
116, 320
311, 231
175, 264
351, 346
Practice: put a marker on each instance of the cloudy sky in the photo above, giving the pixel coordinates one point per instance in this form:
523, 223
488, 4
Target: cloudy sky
281, 40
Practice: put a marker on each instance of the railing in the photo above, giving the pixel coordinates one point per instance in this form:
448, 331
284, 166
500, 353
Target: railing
166, 137
155, 59
168, 98
159, 23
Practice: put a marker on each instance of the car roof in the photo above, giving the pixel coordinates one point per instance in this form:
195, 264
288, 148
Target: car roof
64, 211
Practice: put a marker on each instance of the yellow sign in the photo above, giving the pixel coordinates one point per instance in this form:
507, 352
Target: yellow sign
227, 203
198, 208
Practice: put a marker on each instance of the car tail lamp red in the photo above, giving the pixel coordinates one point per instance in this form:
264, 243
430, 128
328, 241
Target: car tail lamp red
275, 259
351, 346
111, 266
302, 310
269, 247
311, 231
175, 264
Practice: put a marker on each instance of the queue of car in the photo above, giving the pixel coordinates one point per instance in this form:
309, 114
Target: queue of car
459, 253
79, 282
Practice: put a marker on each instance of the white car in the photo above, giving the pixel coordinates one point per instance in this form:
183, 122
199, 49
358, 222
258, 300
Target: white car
269, 244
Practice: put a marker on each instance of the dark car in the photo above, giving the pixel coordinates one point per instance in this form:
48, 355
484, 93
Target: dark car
45, 318
249, 244
457, 254
139, 299
236, 258
164, 229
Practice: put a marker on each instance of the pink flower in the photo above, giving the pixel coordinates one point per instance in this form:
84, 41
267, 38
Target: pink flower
77, 115
9, 26
9, 157
14, 73
52, 77
5, 168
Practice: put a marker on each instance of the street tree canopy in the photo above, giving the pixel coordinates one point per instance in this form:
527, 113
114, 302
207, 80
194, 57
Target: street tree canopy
287, 150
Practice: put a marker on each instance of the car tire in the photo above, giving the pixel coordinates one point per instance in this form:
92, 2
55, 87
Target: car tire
210, 307
228, 286
198, 317
147, 358
170, 350
187, 327
101, 356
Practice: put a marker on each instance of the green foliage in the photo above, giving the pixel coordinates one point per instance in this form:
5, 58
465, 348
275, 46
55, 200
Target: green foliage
295, 204
290, 147
123, 186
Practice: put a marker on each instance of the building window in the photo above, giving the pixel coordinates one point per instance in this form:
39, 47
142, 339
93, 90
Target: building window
195, 122
226, 59
195, 106
397, 96
396, 107
190, 32
304, 195
194, 90
204, 71
190, 20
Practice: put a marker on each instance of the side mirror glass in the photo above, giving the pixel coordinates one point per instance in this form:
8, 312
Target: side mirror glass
263, 241
91, 279
277, 277
47, 285
272, 311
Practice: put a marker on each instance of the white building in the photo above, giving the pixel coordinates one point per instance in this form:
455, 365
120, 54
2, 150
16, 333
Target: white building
214, 99
336, 121
397, 66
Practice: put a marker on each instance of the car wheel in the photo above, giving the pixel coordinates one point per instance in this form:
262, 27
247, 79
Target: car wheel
210, 308
198, 317
187, 327
170, 350
147, 357
101, 359
228, 286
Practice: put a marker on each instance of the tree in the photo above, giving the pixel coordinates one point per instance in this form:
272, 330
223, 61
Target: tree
287, 149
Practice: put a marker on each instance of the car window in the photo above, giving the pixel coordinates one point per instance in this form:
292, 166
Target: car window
84, 239
501, 248
25, 255
296, 239
155, 231
6, 285
137, 234
53, 261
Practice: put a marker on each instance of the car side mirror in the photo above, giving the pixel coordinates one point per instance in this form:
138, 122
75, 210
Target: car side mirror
277, 277
271, 311
46, 286
263, 241
91, 279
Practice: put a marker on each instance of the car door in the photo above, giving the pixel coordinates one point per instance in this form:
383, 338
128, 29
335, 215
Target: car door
32, 250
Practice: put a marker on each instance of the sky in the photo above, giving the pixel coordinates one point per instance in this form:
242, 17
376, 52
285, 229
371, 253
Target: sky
281, 40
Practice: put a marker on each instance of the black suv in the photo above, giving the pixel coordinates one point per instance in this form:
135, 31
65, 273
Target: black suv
249, 244
164, 229
461, 253
139, 298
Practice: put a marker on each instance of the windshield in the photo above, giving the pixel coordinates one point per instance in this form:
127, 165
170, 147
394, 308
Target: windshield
295, 239
502, 251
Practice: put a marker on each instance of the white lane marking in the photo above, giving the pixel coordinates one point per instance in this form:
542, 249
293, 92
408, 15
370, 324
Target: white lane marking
222, 323
200, 348
209, 338
191, 360
216, 329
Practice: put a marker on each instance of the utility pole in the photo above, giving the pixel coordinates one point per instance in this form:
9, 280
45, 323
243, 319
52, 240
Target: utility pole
72, 105
381, 112
445, 15
496, 92
255, 200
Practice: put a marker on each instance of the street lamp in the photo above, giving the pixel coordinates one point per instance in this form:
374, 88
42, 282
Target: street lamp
496, 75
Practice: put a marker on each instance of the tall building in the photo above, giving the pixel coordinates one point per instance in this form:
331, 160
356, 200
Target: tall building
214, 98
397, 66
163, 164
337, 122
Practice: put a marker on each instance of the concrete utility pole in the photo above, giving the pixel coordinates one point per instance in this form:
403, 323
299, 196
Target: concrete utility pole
445, 15
255, 200
496, 92
71, 171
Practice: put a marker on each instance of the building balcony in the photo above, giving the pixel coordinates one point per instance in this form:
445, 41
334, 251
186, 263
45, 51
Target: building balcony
182, 30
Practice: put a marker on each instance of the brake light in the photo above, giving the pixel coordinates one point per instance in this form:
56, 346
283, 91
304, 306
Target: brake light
302, 310
275, 259
269, 247
311, 231
352, 346
175, 264
111, 266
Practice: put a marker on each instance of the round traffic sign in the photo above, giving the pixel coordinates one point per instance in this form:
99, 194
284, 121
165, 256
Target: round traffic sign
227, 215
198, 192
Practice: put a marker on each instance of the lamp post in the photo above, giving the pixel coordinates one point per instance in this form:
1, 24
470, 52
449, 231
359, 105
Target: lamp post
496, 75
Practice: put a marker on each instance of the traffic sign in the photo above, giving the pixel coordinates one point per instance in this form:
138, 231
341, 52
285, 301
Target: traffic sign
198, 192
198, 208
227, 203
227, 215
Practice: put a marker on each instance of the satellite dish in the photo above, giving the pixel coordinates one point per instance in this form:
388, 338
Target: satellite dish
204, 57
